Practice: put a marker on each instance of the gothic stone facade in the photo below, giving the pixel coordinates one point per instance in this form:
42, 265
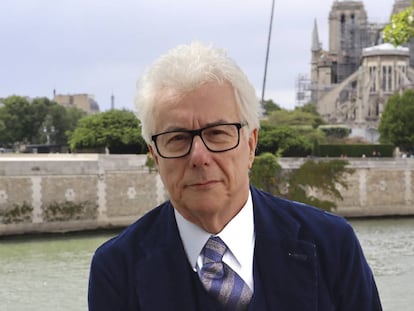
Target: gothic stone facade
352, 81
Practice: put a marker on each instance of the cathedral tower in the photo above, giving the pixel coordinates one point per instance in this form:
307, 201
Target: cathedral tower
348, 26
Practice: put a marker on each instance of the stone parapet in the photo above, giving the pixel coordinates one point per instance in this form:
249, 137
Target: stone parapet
74, 192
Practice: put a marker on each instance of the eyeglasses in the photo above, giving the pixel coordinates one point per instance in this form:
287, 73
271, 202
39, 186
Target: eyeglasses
217, 138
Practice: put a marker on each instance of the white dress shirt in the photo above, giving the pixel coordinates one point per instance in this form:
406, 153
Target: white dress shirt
238, 235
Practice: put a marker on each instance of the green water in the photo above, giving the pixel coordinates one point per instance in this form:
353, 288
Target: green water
388, 245
50, 273
46, 273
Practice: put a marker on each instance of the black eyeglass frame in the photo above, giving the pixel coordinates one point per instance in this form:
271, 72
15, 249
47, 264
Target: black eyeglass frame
198, 132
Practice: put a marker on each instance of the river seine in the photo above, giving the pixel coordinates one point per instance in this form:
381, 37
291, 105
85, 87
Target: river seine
50, 273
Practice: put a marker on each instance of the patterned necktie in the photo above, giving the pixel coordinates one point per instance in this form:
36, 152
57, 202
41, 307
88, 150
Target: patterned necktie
220, 280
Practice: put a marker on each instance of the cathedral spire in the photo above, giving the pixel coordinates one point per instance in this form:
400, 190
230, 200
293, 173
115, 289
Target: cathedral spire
316, 45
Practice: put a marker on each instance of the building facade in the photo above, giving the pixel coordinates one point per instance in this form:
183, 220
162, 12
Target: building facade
351, 82
85, 102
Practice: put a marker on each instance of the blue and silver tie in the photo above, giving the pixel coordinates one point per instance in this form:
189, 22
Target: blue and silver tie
220, 280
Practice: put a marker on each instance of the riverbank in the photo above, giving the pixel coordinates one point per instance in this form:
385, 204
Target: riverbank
76, 192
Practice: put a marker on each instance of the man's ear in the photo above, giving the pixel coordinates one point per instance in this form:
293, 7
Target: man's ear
253, 139
153, 154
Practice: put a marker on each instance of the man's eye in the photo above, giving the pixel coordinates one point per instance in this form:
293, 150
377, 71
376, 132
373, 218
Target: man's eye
216, 132
179, 137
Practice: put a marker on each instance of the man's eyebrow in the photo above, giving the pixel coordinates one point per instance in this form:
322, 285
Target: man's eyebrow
178, 128
174, 128
221, 121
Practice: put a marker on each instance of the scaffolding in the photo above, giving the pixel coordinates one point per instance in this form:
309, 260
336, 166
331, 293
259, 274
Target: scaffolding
353, 38
303, 90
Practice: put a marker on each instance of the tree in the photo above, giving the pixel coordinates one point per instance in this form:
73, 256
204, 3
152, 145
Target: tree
41, 120
16, 117
37, 122
52, 121
300, 184
269, 106
309, 107
296, 117
320, 177
396, 124
73, 115
335, 131
117, 130
264, 172
283, 140
401, 28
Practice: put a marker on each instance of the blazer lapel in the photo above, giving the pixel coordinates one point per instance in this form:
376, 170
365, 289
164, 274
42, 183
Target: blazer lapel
164, 276
285, 268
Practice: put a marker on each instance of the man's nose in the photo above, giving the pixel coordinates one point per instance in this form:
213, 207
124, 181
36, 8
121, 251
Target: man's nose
199, 154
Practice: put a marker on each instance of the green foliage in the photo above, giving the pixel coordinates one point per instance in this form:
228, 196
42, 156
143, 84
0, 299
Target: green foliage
64, 211
301, 184
401, 28
15, 115
54, 120
269, 106
318, 177
291, 133
337, 131
396, 124
283, 140
296, 117
309, 108
264, 172
22, 122
117, 130
17, 214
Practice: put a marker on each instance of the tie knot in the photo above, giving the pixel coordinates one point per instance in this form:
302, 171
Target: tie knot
220, 281
214, 249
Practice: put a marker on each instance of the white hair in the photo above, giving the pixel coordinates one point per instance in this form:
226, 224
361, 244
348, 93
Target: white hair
187, 67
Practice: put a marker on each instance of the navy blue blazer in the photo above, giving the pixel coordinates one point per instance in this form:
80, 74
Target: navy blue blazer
304, 259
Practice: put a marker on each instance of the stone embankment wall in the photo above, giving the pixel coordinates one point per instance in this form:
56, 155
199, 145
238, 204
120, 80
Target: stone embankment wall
57, 192
378, 187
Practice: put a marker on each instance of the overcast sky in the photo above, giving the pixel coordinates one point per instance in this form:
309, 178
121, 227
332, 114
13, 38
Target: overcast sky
102, 47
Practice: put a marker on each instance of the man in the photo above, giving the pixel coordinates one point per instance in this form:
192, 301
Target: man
219, 243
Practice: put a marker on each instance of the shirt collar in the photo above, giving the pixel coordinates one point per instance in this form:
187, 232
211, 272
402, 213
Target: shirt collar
238, 235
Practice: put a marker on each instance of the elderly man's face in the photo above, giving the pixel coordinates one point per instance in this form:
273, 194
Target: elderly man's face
207, 188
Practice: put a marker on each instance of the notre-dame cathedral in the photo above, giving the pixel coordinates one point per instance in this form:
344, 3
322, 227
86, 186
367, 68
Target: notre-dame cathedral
351, 82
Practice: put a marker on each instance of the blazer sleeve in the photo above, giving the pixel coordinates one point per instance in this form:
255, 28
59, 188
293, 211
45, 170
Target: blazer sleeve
355, 288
